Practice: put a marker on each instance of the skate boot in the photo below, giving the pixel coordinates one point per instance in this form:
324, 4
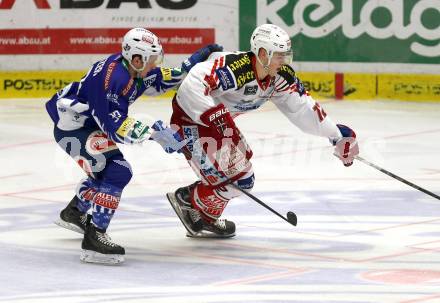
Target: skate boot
71, 218
97, 247
220, 228
180, 200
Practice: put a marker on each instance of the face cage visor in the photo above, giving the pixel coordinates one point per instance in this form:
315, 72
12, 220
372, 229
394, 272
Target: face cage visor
283, 57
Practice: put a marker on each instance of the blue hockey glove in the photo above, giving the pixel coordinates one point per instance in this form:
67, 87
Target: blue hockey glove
168, 138
200, 56
346, 148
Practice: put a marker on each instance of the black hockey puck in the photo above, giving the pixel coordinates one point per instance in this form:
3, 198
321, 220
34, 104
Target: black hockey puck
291, 217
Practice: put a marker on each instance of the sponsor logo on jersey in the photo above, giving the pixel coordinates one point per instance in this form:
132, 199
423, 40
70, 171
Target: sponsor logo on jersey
149, 81
286, 69
241, 66
98, 143
108, 75
166, 73
112, 98
240, 62
199, 157
225, 77
133, 95
244, 78
246, 105
127, 87
192, 133
98, 67
250, 90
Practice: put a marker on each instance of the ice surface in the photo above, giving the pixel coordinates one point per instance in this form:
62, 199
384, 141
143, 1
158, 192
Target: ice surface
361, 236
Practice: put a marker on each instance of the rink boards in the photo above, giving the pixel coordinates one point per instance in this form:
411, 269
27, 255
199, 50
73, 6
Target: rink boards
322, 85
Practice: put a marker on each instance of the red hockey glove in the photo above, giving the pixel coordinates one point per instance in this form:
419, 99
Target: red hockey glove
346, 148
219, 118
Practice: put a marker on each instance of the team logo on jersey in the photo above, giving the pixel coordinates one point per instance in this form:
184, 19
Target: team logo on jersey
225, 78
99, 143
250, 90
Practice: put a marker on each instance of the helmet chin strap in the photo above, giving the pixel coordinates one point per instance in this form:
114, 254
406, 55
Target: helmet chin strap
265, 66
138, 70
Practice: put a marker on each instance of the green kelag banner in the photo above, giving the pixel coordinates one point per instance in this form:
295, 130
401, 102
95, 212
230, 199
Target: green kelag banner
399, 31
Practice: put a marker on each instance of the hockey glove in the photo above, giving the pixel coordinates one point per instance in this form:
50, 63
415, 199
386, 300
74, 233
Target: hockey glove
200, 56
168, 138
219, 118
346, 148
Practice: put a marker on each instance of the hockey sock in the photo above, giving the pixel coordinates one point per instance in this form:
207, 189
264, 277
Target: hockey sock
85, 192
208, 201
105, 202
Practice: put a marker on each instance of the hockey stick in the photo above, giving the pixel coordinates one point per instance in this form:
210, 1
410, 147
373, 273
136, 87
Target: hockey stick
291, 216
397, 177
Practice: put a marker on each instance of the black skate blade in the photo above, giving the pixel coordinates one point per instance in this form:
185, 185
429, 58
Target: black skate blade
173, 201
209, 235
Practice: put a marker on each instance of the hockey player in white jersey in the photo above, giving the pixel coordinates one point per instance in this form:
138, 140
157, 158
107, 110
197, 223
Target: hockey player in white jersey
211, 96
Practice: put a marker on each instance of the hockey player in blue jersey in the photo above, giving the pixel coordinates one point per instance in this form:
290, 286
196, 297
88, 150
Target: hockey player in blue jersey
91, 116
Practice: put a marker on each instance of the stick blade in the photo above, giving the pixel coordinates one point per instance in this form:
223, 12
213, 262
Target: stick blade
291, 217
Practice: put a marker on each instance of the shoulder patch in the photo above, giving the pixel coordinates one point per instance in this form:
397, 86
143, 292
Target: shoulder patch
287, 72
166, 73
225, 78
241, 66
291, 81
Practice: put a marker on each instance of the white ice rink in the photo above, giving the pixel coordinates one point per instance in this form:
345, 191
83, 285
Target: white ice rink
361, 237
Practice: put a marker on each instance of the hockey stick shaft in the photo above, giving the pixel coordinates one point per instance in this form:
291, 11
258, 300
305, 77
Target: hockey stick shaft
397, 177
293, 218
293, 222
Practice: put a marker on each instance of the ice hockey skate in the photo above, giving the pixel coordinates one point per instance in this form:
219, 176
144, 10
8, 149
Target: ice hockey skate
192, 220
97, 247
220, 228
71, 218
190, 217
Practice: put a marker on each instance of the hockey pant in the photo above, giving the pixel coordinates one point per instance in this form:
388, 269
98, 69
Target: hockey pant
107, 171
217, 161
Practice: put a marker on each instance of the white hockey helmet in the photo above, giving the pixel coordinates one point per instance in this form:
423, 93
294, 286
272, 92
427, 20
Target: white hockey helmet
273, 39
142, 42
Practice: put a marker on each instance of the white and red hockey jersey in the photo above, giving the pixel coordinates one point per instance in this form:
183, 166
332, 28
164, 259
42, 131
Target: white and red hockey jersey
231, 79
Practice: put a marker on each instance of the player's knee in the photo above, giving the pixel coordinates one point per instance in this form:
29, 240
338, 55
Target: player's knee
117, 172
125, 174
247, 183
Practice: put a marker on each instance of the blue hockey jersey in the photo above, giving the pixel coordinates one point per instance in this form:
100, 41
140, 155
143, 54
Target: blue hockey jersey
102, 97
